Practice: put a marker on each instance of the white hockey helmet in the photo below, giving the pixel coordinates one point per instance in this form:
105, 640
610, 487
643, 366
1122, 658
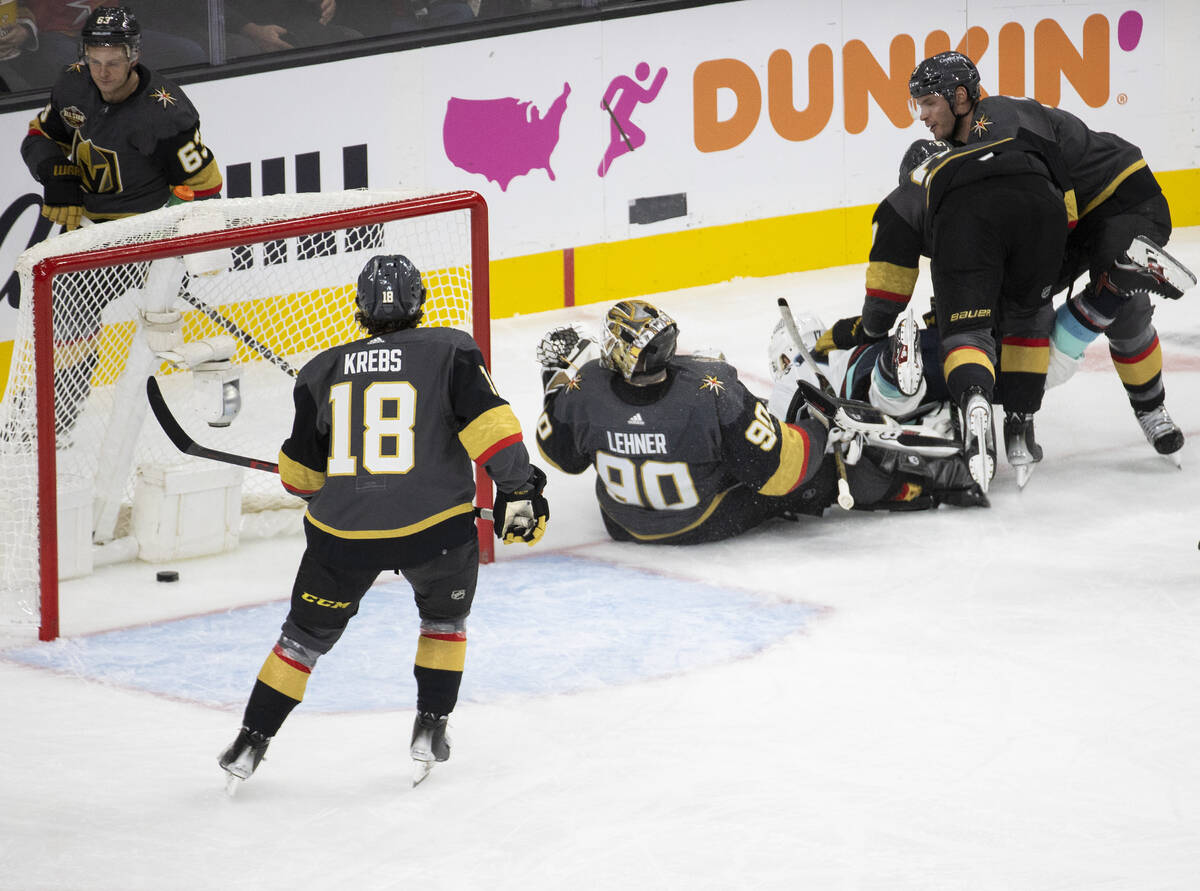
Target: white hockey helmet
782, 351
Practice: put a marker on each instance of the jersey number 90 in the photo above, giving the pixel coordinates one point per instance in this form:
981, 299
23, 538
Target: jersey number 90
658, 485
389, 411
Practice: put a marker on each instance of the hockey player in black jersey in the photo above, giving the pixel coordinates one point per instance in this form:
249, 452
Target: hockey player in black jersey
684, 453
993, 219
114, 140
115, 137
1116, 197
386, 435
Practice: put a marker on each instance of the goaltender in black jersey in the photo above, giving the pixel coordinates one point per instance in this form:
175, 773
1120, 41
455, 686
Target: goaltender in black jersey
387, 431
684, 453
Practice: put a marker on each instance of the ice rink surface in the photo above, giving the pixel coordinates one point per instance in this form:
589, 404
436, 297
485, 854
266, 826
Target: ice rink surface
996, 700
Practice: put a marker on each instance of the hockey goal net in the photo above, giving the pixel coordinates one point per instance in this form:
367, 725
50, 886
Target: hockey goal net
197, 295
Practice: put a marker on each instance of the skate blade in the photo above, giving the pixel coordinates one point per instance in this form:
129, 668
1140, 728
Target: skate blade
1147, 254
420, 770
232, 783
1024, 472
980, 463
981, 467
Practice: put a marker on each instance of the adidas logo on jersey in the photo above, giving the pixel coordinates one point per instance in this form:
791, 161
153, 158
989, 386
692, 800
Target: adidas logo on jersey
636, 420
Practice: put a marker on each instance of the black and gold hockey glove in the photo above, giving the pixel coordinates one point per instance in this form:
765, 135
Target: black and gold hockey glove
521, 515
842, 336
62, 200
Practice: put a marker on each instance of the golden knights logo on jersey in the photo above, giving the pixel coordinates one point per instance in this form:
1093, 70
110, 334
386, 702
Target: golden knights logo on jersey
100, 167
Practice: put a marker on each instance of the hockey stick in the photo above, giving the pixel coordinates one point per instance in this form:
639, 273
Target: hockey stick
789, 322
182, 441
845, 498
237, 331
876, 427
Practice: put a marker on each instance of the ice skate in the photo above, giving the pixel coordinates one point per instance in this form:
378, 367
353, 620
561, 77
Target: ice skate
429, 744
242, 758
1152, 269
907, 363
979, 437
1162, 433
1020, 445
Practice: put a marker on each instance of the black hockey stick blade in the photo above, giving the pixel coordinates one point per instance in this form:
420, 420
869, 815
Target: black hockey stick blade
189, 446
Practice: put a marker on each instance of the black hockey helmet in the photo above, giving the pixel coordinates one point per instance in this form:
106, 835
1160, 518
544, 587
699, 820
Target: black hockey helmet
639, 340
390, 290
111, 26
942, 74
920, 152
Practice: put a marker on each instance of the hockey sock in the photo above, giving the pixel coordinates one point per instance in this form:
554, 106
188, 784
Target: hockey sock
280, 686
1140, 371
1023, 365
1074, 329
438, 667
965, 367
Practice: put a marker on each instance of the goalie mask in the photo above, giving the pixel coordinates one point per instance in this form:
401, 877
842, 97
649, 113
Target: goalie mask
111, 26
639, 341
390, 290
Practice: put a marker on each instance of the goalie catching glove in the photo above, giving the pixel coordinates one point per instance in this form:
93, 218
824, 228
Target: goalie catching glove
561, 353
521, 515
62, 200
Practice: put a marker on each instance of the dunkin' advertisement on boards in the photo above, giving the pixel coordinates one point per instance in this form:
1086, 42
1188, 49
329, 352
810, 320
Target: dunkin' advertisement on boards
604, 133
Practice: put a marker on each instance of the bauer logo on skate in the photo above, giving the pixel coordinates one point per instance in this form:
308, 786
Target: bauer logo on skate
1083, 61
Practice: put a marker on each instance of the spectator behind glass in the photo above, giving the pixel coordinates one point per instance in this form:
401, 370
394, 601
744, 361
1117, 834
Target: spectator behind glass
55, 24
267, 26
374, 18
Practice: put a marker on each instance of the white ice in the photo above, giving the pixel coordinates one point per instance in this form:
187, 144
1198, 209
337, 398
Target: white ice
987, 699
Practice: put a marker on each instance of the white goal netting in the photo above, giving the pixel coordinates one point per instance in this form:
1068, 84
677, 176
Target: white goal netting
270, 280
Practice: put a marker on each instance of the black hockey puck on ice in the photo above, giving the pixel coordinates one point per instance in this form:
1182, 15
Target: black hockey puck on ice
167, 575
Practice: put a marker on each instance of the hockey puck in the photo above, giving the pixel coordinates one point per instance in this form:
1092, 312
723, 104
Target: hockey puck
167, 575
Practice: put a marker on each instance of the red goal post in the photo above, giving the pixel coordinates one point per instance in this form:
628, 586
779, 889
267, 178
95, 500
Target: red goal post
270, 279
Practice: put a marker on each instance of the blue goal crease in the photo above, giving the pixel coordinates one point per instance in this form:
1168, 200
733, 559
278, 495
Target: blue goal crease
539, 626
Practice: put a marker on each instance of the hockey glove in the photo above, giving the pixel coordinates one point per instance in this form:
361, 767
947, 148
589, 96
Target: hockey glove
62, 200
561, 353
842, 336
521, 515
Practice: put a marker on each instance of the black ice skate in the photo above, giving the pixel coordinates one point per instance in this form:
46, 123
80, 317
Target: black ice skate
242, 757
1147, 268
1162, 433
1020, 445
429, 743
979, 437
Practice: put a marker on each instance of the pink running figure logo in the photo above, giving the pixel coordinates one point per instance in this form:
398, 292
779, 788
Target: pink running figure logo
624, 135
